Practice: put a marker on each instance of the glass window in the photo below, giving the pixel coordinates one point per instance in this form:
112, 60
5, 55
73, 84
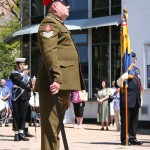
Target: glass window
100, 35
83, 53
100, 65
35, 56
148, 76
35, 53
115, 7
78, 9
25, 13
100, 4
147, 65
115, 30
37, 11
100, 57
26, 45
100, 8
115, 59
35, 61
81, 40
115, 51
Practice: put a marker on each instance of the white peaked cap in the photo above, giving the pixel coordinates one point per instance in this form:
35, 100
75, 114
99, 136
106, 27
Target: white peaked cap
26, 67
21, 60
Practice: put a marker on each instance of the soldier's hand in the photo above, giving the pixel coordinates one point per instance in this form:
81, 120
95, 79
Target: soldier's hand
54, 88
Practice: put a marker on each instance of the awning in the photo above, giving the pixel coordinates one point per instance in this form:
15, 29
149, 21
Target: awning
31, 29
26, 30
71, 25
102, 21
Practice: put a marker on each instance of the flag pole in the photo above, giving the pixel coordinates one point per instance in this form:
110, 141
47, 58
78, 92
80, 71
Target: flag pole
126, 87
126, 100
126, 113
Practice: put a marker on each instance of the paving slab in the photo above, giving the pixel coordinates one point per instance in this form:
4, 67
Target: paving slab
90, 137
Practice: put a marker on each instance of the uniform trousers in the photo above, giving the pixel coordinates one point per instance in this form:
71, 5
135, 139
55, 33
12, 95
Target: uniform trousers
132, 123
49, 121
28, 116
20, 108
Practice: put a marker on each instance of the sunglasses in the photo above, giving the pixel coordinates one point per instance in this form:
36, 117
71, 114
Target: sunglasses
65, 3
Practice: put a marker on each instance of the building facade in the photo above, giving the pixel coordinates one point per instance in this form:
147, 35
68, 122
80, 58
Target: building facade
95, 28
98, 46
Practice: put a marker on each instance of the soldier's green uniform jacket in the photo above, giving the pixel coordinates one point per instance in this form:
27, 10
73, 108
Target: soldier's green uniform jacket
60, 54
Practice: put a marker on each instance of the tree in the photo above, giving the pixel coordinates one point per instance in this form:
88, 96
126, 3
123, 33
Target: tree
10, 22
12, 7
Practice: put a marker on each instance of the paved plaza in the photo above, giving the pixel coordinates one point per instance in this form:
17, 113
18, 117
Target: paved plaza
88, 138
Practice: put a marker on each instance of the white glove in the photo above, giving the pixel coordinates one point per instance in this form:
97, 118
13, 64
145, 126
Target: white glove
122, 79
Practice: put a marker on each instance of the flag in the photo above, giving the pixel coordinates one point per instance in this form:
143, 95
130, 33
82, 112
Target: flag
126, 56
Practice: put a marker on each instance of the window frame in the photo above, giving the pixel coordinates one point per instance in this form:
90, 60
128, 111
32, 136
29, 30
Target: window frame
146, 65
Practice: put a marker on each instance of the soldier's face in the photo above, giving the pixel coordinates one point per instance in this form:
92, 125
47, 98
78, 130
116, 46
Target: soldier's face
62, 10
21, 66
134, 59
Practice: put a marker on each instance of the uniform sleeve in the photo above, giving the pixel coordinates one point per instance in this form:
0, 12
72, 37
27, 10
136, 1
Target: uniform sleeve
48, 40
17, 81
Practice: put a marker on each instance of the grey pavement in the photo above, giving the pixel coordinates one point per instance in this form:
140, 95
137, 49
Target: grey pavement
88, 138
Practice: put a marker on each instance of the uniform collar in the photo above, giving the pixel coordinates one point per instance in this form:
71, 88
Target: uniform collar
19, 72
56, 17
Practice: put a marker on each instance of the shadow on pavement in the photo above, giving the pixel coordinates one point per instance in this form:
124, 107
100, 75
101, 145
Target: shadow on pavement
6, 135
108, 143
7, 140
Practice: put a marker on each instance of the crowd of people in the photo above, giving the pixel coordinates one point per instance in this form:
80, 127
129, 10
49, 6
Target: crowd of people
109, 113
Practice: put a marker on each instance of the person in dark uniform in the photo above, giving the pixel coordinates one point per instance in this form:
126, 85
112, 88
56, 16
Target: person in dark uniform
59, 53
134, 103
20, 98
28, 116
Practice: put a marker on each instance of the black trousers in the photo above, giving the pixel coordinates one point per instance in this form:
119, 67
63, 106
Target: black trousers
20, 108
132, 123
28, 116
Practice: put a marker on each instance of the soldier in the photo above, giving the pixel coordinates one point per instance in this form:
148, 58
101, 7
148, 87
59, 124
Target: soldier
20, 98
59, 54
134, 103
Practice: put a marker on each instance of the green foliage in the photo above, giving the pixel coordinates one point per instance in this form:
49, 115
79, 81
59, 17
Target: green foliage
8, 53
